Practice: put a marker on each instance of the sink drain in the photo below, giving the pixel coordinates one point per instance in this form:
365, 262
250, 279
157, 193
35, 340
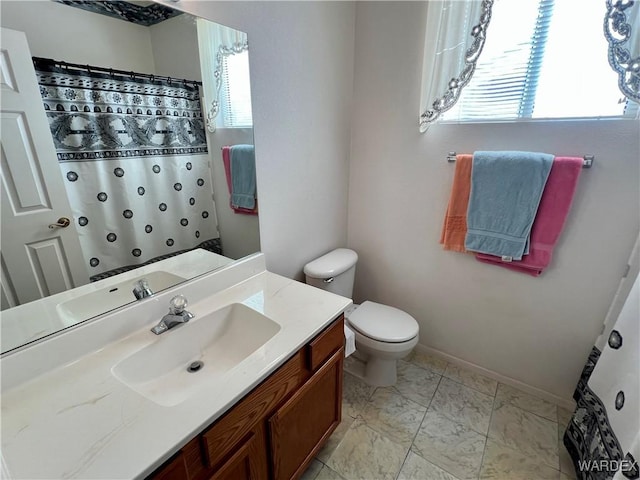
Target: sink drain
195, 366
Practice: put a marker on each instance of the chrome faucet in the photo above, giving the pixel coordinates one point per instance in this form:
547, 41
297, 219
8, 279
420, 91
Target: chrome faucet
141, 289
177, 315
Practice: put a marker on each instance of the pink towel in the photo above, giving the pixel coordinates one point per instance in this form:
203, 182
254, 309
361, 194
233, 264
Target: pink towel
226, 160
552, 213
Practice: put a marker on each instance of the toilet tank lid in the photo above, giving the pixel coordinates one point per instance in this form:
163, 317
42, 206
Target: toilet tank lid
333, 263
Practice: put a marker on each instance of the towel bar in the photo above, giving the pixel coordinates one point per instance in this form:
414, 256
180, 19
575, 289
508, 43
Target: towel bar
587, 160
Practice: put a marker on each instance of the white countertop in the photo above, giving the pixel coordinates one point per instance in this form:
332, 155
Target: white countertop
76, 420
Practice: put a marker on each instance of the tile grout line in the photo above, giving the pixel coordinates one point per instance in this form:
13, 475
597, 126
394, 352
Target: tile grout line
424, 368
394, 391
469, 386
442, 376
511, 448
425, 414
529, 411
423, 417
486, 437
498, 383
532, 413
494, 396
352, 419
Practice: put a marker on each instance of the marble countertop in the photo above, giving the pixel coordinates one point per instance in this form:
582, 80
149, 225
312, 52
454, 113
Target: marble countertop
65, 415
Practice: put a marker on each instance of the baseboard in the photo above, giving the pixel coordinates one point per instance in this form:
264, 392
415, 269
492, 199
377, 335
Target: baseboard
549, 397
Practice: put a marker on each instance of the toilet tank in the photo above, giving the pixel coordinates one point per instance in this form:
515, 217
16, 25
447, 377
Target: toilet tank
333, 272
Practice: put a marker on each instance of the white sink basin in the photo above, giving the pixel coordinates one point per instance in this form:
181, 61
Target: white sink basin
220, 340
114, 296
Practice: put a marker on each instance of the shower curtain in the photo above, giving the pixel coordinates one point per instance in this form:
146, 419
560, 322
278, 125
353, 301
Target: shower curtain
603, 436
134, 160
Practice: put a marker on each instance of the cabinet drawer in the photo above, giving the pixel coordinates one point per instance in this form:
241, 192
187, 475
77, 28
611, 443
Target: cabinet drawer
327, 342
227, 432
302, 425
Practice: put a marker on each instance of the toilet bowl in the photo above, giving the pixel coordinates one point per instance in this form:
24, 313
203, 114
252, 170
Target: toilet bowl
383, 334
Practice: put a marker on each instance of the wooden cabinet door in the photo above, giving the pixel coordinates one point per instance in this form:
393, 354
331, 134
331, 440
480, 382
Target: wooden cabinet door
176, 469
242, 464
301, 426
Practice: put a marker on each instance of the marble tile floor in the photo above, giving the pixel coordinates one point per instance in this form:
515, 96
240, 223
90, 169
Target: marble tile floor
442, 422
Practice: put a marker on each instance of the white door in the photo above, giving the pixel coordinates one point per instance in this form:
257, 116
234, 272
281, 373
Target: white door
37, 261
624, 288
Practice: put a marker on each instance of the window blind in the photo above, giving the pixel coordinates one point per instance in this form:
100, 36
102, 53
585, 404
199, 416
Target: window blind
235, 91
533, 65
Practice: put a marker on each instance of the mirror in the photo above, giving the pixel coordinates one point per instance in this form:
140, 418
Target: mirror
143, 180
622, 30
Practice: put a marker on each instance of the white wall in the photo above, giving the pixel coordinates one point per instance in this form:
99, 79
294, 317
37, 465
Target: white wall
64, 33
535, 330
301, 59
174, 43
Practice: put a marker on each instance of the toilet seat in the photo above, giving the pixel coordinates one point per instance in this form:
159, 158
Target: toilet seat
383, 323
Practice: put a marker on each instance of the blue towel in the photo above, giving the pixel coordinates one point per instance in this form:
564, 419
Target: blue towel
243, 176
506, 188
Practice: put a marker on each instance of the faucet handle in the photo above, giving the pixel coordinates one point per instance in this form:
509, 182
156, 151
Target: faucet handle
141, 289
177, 304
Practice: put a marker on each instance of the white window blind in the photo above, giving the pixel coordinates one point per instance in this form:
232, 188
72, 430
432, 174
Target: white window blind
235, 91
543, 59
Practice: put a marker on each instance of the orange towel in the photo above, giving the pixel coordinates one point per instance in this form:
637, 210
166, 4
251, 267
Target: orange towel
455, 220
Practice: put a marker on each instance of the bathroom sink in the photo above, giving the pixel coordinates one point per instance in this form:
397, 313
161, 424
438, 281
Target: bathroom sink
181, 360
113, 296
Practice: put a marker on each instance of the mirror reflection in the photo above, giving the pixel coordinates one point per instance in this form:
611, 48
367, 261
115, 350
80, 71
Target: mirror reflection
130, 166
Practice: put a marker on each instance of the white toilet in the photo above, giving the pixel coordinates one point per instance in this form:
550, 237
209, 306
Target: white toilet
383, 334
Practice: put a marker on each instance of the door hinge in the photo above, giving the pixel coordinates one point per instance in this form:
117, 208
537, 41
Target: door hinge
626, 271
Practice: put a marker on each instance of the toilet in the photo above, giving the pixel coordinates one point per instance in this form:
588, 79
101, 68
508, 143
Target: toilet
383, 334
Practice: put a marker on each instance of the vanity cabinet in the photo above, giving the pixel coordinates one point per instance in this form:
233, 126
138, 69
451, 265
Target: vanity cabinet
275, 430
306, 420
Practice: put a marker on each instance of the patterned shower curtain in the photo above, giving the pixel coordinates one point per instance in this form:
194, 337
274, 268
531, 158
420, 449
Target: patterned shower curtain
603, 436
134, 159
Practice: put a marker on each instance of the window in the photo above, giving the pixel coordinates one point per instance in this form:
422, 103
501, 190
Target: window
543, 59
224, 62
235, 91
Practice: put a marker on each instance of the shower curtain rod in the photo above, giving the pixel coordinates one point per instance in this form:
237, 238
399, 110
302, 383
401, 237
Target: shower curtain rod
112, 71
587, 160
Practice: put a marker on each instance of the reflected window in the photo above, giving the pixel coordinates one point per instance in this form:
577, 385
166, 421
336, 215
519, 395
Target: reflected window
235, 91
224, 62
